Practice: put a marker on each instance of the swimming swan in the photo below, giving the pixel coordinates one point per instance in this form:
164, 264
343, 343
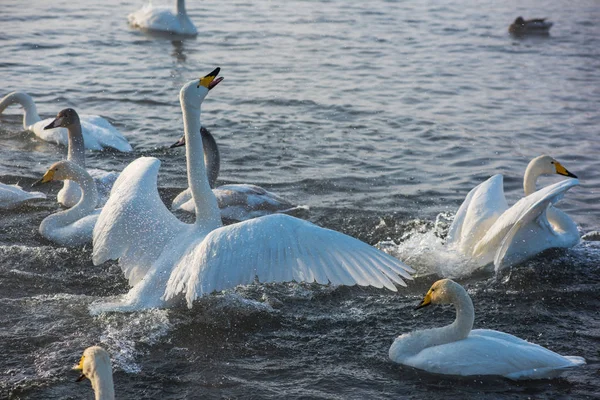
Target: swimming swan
98, 133
237, 202
164, 258
95, 365
72, 227
485, 229
70, 194
457, 350
12, 196
162, 19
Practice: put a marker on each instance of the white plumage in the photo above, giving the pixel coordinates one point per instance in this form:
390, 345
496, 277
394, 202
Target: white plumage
163, 19
12, 196
163, 258
98, 133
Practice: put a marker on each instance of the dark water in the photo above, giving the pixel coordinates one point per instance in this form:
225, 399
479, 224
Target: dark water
380, 116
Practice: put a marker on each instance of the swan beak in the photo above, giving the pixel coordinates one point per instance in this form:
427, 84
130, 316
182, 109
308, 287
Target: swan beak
54, 124
563, 171
209, 80
179, 143
79, 367
426, 301
48, 177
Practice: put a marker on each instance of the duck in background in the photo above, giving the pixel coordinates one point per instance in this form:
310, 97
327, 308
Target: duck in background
456, 349
97, 132
163, 19
237, 202
536, 26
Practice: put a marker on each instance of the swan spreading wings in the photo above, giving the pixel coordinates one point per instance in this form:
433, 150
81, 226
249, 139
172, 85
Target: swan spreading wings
164, 258
487, 230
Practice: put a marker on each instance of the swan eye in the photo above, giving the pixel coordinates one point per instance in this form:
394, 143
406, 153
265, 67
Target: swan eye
552, 162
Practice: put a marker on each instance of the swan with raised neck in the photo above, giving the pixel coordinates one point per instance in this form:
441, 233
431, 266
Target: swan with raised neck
57, 227
95, 365
30, 113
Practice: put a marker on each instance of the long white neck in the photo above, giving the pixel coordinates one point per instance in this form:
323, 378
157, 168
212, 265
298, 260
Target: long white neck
102, 382
30, 116
530, 177
180, 7
207, 210
76, 152
84, 207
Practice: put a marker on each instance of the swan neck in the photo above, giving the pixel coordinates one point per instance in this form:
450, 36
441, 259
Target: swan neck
180, 7
102, 383
85, 206
212, 158
531, 175
465, 315
76, 152
30, 115
207, 210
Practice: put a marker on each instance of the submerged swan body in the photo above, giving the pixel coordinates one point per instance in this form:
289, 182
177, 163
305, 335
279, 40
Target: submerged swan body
97, 132
487, 230
72, 227
167, 259
457, 350
163, 19
95, 365
12, 196
237, 202
70, 194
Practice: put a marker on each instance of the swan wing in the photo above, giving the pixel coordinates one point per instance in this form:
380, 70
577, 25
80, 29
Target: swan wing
13, 195
480, 210
487, 352
135, 225
529, 217
280, 248
98, 133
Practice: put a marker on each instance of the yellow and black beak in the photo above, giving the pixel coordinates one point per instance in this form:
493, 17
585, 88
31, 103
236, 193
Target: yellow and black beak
210, 81
562, 170
179, 143
426, 301
48, 177
79, 367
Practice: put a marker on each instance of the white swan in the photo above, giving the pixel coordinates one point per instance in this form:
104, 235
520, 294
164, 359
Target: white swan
163, 257
95, 365
237, 202
70, 194
457, 350
163, 19
72, 227
487, 230
12, 196
98, 133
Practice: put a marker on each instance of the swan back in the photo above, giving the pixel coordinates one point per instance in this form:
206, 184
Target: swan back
95, 365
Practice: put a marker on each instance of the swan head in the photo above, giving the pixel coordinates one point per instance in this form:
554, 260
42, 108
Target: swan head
443, 291
546, 165
94, 363
61, 171
194, 92
63, 119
